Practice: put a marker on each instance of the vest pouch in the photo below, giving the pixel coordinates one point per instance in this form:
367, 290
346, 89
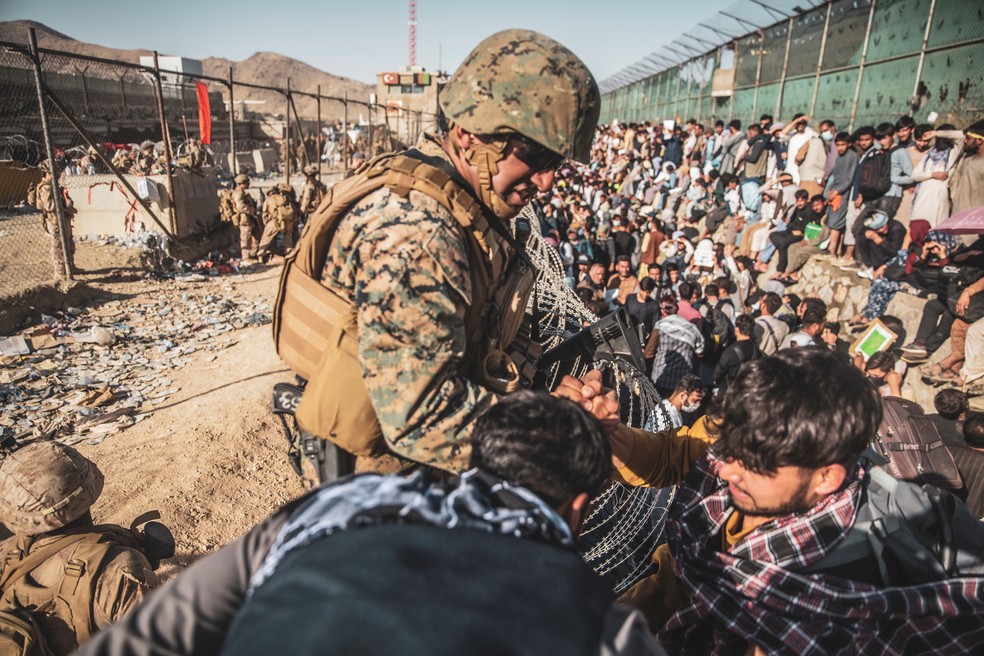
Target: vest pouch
336, 405
499, 373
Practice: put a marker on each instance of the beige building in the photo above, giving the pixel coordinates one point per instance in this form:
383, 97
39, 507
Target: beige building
410, 98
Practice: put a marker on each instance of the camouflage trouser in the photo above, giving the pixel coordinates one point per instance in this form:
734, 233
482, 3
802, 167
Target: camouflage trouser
247, 240
270, 232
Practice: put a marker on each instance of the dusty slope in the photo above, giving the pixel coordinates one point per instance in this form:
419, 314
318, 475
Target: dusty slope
211, 458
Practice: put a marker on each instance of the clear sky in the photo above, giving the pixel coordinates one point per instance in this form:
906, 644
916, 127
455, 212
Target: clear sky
359, 38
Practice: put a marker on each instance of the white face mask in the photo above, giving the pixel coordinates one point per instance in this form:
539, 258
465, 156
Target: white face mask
826, 135
694, 407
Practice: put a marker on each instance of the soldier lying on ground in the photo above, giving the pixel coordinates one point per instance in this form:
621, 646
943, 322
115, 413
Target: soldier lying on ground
71, 577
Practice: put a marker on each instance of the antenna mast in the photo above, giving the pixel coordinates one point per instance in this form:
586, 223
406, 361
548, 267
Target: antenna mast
413, 33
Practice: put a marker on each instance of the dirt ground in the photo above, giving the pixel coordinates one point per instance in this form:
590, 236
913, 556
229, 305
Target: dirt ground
212, 458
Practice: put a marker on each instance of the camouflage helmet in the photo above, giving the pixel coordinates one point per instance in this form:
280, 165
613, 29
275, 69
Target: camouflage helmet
242, 178
524, 82
46, 485
285, 187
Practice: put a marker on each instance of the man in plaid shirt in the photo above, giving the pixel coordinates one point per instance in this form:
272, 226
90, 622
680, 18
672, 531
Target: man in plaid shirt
776, 493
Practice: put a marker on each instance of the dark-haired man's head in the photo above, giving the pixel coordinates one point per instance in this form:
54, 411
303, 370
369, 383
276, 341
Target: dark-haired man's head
792, 427
770, 304
647, 285
688, 394
973, 430
813, 321
885, 135
864, 136
744, 326
687, 292
802, 197
712, 291
734, 124
950, 403
974, 138
548, 445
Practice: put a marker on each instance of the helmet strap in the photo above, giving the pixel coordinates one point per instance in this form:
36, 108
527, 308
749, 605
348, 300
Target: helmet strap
486, 157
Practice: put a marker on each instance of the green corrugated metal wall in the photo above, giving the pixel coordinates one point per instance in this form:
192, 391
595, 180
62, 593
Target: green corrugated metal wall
951, 79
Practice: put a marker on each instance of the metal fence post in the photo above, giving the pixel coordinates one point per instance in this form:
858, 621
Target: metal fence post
166, 136
317, 140
864, 56
61, 250
345, 131
823, 50
922, 54
287, 151
234, 163
785, 69
369, 154
758, 74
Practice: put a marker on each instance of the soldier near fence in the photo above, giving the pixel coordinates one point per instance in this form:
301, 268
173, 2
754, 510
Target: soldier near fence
279, 217
146, 160
59, 570
418, 323
42, 196
246, 217
313, 193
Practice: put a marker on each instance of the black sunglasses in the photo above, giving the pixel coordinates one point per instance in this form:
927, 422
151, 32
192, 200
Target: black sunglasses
534, 155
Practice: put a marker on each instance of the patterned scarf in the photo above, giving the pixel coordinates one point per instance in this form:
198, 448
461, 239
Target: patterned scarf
753, 592
479, 502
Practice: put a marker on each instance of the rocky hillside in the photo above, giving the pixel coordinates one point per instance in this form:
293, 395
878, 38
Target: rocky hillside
265, 68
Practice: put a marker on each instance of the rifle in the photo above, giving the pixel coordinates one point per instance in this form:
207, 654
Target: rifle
614, 337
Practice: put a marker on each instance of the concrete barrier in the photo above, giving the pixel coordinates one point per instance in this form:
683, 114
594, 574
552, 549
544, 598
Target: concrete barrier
105, 207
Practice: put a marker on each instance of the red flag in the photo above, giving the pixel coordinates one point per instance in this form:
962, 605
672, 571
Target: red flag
204, 113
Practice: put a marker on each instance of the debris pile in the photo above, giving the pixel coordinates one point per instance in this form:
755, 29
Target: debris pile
89, 373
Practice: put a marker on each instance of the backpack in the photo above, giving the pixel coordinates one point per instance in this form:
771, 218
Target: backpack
875, 177
22, 602
227, 208
20, 634
906, 534
913, 447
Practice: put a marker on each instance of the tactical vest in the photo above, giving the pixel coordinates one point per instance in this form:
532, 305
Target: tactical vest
315, 330
69, 604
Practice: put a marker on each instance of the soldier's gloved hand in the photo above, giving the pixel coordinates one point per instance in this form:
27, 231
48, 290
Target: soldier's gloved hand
590, 394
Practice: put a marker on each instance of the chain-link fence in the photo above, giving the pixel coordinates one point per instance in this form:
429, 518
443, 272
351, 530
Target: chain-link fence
25, 246
123, 137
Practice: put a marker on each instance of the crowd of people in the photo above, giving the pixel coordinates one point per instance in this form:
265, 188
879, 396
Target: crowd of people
697, 232
403, 307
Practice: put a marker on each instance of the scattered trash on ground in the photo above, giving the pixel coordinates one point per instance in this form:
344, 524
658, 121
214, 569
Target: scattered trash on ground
92, 372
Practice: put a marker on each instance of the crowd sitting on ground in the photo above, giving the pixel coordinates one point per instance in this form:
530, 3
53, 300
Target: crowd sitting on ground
700, 231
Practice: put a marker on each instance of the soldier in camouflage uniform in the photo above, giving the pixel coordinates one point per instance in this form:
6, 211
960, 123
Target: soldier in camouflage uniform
314, 191
518, 105
46, 490
247, 217
279, 216
42, 196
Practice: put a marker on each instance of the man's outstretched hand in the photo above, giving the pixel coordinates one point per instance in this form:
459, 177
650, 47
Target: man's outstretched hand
591, 394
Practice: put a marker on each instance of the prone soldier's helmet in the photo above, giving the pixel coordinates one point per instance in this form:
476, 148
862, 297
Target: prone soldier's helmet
285, 188
242, 178
310, 169
522, 82
46, 485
